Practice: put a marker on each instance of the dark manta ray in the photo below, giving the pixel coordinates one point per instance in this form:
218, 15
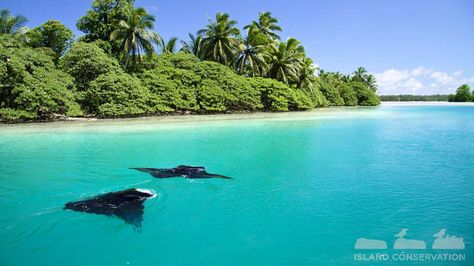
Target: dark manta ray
126, 205
182, 170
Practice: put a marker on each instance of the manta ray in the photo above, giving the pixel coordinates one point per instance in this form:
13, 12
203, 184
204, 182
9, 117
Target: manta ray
126, 205
181, 171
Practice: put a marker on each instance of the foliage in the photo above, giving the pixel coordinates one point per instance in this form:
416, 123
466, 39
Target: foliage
221, 39
265, 25
348, 95
52, 34
365, 96
135, 35
15, 115
102, 19
12, 25
85, 62
463, 94
168, 47
174, 87
193, 46
118, 95
330, 93
409, 98
276, 96
251, 59
284, 60
30, 82
216, 71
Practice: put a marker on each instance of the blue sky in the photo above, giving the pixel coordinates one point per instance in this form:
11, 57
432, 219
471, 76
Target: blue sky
413, 46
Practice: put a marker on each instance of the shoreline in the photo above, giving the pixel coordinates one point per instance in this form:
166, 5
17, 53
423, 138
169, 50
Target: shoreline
173, 120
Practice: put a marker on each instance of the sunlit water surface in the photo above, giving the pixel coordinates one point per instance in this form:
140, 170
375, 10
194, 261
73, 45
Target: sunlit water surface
306, 186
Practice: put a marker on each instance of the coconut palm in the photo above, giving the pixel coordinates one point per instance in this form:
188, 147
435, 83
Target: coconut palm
360, 74
193, 46
13, 25
371, 82
252, 57
136, 35
168, 47
306, 78
266, 24
221, 39
285, 60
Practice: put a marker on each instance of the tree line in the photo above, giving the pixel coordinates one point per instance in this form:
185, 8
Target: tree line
462, 94
121, 67
414, 98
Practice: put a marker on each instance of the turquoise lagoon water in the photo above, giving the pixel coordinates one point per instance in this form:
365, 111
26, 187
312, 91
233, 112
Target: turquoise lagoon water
306, 186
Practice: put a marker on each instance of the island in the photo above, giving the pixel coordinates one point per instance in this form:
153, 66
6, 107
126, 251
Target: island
121, 67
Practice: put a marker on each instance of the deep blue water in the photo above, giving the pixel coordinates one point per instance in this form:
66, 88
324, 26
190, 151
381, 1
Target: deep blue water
306, 186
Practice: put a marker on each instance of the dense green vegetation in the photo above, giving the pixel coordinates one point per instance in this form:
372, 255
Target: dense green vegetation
463, 94
114, 69
414, 98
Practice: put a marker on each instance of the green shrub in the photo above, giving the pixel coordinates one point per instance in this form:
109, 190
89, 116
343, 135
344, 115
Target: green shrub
85, 62
365, 96
463, 94
117, 95
15, 115
211, 97
30, 82
348, 94
276, 96
47, 91
331, 93
174, 87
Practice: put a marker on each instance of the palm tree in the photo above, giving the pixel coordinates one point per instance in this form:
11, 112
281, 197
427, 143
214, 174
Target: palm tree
285, 60
360, 74
193, 46
371, 82
306, 78
266, 24
252, 57
12, 25
221, 39
168, 47
136, 35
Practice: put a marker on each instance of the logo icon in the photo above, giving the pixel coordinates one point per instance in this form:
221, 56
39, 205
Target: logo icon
364, 243
445, 241
442, 241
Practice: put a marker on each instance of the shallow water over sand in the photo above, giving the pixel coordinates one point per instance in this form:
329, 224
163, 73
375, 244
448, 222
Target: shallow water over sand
306, 186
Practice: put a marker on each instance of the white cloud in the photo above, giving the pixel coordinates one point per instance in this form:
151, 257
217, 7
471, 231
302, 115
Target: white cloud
458, 73
442, 77
420, 71
420, 80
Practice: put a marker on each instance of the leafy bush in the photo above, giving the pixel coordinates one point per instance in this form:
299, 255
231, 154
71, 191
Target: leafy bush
14, 115
276, 96
52, 34
47, 91
348, 95
174, 87
211, 97
118, 95
30, 83
241, 95
331, 94
463, 94
85, 62
365, 96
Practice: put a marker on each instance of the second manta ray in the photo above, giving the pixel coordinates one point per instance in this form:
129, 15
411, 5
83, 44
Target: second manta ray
182, 170
126, 205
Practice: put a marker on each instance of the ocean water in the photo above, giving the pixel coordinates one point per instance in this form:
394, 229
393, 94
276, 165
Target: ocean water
306, 186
